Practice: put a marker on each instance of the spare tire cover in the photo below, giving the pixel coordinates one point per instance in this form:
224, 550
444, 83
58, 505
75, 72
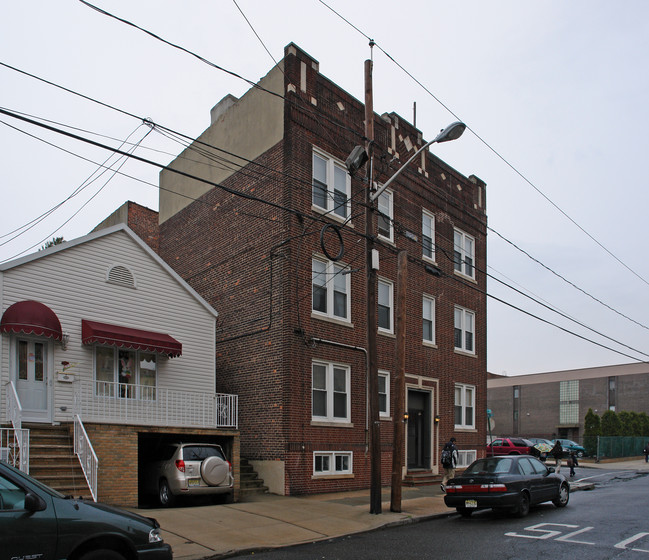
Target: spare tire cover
214, 470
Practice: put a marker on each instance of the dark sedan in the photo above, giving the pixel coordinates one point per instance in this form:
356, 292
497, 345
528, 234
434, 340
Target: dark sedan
512, 482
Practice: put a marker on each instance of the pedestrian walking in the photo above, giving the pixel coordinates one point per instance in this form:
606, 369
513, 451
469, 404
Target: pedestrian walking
646, 453
557, 453
572, 462
449, 460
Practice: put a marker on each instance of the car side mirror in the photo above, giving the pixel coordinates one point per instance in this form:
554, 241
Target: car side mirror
551, 469
34, 503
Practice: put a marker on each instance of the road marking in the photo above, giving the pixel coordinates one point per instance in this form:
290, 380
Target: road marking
634, 538
545, 533
567, 538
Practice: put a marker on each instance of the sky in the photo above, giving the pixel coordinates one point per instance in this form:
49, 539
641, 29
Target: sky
554, 95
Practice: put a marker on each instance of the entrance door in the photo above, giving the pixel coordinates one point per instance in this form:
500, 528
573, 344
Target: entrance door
31, 379
419, 429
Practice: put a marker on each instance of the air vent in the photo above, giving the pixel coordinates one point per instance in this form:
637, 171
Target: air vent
122, 276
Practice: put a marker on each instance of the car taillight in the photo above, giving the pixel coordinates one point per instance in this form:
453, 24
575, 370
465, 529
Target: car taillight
475, 488
180, 465
229, 465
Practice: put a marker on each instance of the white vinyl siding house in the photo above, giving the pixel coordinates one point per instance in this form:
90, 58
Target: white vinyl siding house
73, 280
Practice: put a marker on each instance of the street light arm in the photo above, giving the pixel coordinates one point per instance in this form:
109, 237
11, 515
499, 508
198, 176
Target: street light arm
451, 132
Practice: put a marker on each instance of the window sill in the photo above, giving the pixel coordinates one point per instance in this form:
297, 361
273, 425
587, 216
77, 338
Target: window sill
389, 334
465, 353
462, 275
429, 344
329, 319
466, 430
330, 214
331, 476
329, 424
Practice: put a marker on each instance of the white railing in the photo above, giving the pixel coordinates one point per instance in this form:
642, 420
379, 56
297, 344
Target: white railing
127, 403
14, 447
19, 452
86, 454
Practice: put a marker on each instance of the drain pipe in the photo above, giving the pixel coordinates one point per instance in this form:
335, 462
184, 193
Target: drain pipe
367, 373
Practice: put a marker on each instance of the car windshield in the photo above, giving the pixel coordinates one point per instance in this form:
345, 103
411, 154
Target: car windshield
496, 465
200, 452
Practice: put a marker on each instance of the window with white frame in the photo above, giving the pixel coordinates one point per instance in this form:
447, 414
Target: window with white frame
330, 393
332, 462
428, 314
385, 300
384, 393
125, 373
465, 457
464, 330
464, 406
331, 185
330, 289
386, 215
464, 253
428, 235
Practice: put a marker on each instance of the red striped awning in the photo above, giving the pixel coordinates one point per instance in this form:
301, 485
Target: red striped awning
124, 337
31, 317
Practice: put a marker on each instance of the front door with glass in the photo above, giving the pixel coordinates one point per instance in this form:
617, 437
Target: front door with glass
31, 376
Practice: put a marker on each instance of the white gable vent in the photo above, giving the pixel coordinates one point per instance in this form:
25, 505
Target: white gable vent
121, 275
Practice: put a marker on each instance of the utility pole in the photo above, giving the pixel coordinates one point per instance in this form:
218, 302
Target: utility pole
372, 324
399, 382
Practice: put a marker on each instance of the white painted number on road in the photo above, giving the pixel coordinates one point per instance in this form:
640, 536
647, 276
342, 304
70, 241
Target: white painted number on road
634, 538
540, 531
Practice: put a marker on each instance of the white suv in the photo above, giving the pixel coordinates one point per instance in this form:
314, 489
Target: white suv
189, 469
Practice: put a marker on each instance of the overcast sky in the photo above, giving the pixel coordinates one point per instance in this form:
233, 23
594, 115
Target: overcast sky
554, 94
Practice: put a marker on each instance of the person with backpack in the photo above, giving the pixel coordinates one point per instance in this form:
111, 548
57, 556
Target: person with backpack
449, 459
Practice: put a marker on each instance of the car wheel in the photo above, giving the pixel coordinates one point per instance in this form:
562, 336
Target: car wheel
523, 507
165, 497
102, 554
464, 512
564, 496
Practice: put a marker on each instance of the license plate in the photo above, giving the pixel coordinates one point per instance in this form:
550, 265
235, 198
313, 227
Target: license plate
193, 482
471, 503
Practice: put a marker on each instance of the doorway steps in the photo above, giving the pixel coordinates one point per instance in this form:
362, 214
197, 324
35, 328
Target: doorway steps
421, 477
52, 459
250, 483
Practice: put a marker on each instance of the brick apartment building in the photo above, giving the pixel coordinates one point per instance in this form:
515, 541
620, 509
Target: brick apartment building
554, 404
264, 222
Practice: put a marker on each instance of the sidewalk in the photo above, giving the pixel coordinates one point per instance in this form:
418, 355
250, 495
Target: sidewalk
269, 521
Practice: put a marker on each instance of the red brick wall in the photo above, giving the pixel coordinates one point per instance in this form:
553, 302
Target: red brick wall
144, 222
245, 258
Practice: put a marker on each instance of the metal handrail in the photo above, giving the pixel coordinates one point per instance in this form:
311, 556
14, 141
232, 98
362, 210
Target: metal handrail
87, 457
21, 437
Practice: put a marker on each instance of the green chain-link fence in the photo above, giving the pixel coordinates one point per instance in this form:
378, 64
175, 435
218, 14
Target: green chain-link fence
611, 447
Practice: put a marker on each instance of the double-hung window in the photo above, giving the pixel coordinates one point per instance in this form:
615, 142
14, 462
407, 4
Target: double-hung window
125, 373
331, 185
330, 393
385, 299
464, 406
384, 393
332, 463
330, 289
464, 330
464, 253
386, 215
428, 314
428, 235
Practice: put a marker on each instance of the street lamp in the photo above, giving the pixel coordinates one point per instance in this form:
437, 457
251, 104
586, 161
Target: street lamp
358, 158
452, 132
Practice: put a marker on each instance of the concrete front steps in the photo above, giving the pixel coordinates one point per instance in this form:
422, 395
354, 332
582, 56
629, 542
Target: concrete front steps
250, 482
421, 477
53, 462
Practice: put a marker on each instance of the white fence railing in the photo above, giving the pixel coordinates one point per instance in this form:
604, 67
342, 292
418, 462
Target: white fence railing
127, 403
86, 454
17, 448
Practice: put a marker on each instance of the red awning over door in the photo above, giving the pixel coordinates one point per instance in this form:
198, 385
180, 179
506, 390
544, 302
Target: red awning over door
31, 317
124, 337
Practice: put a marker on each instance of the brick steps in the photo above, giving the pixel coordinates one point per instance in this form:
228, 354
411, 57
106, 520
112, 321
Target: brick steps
249, 480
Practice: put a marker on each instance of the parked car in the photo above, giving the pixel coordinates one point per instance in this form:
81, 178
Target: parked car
39, 522
512, 482
510, 446
544, 446
189, 469
569, 446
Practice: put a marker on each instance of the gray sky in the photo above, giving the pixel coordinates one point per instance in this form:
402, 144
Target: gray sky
554, 94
